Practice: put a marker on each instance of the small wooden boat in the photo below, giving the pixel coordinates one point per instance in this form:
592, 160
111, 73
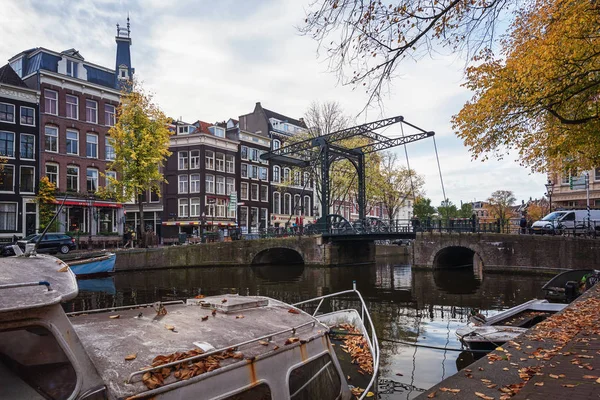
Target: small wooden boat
219, 347
102, 264
567, 286
507, 325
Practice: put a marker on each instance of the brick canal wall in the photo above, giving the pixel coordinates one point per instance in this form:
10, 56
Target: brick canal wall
518, 252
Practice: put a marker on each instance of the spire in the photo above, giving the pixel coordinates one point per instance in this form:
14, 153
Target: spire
123, 69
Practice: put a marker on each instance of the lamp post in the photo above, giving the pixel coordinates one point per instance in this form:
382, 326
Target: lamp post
549, 189
90, 202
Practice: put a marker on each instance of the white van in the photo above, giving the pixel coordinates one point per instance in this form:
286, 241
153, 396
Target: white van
558, 221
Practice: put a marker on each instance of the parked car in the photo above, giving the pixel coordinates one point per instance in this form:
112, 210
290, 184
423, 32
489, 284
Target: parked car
568, 220
51, 243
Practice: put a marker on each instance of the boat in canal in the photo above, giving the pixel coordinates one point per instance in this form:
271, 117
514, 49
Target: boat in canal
218, 347
488, 333
94, 265
567, 286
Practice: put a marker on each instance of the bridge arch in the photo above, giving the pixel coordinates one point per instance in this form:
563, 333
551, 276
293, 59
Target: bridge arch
456, 257
277, 255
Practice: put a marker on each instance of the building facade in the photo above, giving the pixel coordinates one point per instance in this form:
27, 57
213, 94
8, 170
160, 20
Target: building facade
78, 106
565, 197
19, 142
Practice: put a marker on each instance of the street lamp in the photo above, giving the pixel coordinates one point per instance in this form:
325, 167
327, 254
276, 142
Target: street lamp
549, 190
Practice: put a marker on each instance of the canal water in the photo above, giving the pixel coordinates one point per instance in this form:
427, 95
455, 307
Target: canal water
417, 306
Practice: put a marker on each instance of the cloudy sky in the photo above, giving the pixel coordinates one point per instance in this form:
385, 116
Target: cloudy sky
213, 60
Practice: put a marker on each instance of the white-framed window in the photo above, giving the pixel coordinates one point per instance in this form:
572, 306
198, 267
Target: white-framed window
221, 208
91, 145
244, 191
264, 193
254, 216
209, 157
260, 153
307, 182
565, 179
109, 150
254, 192
27, 146
17, 65
7, 144
27, 116
195, 159
244, 152
195, 183
209, 209
263, 173
50, 102
276, 144
297, 204
72, 142
220, 162
264, 216
27, 179
51, 139
209, 184
276, 174
217, 131
8, 216
91, 111
154, 196
297, 178
244, 171
230, 211
243, 217
72, 68
220, 185
286, 175
7, 113
52, 173
597, 174
183, 130
183, 207
229, 164
92, 179
7, 178
254, 172
195, 207
72, 178
230, 186
307, 209
183, 184
72, 110
108, 176
109, 115
253, 154
183, 160
287, 203
276, 203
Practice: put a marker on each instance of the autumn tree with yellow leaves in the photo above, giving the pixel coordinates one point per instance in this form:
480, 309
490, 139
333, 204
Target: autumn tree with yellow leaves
140, 138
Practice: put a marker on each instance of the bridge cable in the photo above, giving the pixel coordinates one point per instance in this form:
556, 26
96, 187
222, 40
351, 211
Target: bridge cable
439, 168
412, 187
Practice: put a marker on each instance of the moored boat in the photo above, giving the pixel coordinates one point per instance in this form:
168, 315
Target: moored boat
102, 264
567, 286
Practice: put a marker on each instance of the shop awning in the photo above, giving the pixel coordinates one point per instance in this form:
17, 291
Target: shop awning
198, 223
84, 203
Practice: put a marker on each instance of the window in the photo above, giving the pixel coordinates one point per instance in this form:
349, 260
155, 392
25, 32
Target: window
565, 179
287, 199
72, 110
297, 204
109, 115
7, 144
276, 173
297, 178
244, 191
276, 144
244, 153
210, 159
8, 216
307, 209
220, 162
72, 142
72, 178
72, 68
597, 174
154, 197
254, 154
286, 175
110, 174
210, 184
7, 112
109, 150
244, 170
27, 116
183, 130
26, 184
52, 173
307, 180
17, 65
194, 159
50, 102
195, 207
209, 209
220, 185
91, 145
183, 184
254, 216
183, 160
221, 208
183, 207
217, 131
91, 111
254, 192
230, 211
7, 178
315, 379
92, 180
195, 183
229, 164
254, 174
27, 146
263, 174
276, 202
230, 186
243, 218
51, 139
264, 193
264, 216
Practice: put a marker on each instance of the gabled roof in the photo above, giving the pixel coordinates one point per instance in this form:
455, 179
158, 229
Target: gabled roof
10, 77
72, 53
281, 117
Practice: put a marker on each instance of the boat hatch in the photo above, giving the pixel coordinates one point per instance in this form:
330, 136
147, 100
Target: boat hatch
229, 304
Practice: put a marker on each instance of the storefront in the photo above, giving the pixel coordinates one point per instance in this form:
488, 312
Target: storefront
196, 228
85, 217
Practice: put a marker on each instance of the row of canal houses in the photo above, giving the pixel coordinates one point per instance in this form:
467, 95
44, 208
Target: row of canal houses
56, 110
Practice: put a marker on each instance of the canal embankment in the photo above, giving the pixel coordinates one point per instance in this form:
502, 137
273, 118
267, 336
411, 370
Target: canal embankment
557, 359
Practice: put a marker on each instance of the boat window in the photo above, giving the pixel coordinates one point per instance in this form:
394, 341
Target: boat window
259, 392
34, 366
569, 217
317, 379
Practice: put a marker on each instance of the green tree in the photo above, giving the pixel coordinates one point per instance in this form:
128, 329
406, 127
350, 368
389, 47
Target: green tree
466, 210
447, 209
499, 205
396, 184
46, 200
140, 138
423, 209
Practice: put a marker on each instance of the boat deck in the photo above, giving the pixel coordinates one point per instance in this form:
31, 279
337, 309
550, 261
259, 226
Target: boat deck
145, 334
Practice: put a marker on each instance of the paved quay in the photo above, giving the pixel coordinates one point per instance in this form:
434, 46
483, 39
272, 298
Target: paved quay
557, 359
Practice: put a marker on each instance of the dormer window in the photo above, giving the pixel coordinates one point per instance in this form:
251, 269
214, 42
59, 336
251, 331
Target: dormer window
17, 65
183, 130
123, 72
72, 68
217, 131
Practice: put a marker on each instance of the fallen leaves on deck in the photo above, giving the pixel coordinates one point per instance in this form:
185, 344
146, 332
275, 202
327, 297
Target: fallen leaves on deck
357, 346
293, 311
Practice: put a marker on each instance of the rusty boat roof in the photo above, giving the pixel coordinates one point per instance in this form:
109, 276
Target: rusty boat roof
256, 326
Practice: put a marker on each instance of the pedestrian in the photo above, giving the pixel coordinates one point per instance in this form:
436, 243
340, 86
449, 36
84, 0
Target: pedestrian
127, 237
523, 224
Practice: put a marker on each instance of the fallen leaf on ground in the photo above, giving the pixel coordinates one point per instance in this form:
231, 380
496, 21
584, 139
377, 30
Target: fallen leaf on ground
293, 311
239, 316
114, 316
444, 389
170, 327
431, 395
204, 318
539, 384
130, 357
483, 396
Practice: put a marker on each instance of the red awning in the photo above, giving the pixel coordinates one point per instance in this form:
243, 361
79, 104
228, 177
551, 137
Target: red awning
84, 203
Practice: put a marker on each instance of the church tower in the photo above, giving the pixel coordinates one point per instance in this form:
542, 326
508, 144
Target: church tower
123, 70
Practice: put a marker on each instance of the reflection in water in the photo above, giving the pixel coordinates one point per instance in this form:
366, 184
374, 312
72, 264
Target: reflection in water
417, 306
